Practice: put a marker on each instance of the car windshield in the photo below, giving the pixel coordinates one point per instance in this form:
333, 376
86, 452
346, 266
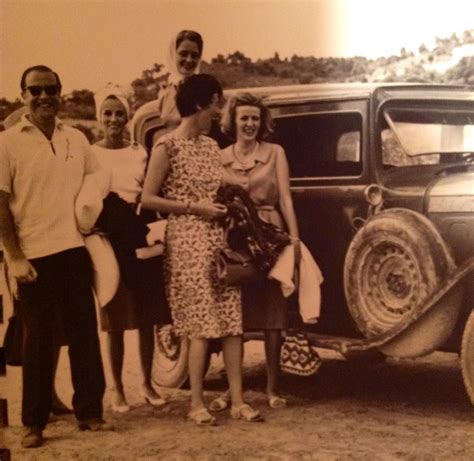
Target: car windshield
427, 136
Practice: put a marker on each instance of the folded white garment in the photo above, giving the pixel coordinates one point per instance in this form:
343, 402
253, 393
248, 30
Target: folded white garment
150, 252
157, 231
310, 279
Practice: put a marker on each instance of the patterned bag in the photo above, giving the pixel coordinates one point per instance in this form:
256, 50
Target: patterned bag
298, 357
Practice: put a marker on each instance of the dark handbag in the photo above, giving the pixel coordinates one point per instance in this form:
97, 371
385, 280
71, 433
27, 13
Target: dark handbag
13, 342
235, 267
298, 357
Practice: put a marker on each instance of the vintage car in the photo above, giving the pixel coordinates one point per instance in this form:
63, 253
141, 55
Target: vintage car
382, 178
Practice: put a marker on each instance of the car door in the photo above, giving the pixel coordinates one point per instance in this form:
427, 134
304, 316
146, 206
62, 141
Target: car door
326, 144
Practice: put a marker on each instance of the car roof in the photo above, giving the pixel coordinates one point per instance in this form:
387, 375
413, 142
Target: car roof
295, 93
300, 94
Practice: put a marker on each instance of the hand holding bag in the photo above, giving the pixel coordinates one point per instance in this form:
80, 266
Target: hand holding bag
234, 266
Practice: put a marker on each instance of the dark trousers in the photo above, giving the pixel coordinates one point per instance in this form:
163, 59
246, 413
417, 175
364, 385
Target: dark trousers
62, 290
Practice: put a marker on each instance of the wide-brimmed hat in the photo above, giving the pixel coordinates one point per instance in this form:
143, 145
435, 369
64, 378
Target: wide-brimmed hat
89, 202
105, 266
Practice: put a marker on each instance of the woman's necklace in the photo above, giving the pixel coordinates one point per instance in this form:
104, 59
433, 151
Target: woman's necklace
247, 157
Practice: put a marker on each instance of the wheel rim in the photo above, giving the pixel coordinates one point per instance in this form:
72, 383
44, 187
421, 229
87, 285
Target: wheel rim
390, 284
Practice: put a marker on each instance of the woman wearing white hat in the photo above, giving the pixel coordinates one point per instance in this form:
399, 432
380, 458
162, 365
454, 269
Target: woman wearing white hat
138, 307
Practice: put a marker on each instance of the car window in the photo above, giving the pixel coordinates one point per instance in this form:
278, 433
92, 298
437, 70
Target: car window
348, 147
393, 153
412, 136
321, 145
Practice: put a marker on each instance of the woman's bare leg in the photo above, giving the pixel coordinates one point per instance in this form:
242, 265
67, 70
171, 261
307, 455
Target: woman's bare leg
273, 342
233, 352
196, 363
146, 346
115, 346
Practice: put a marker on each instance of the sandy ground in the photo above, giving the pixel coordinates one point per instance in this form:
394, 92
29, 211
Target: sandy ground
397, 410
392, 410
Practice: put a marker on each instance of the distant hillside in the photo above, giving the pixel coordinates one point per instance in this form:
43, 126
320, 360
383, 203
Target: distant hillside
451, 60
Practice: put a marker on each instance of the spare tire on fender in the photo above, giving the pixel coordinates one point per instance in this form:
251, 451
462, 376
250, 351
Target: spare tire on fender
395, 262
170, 358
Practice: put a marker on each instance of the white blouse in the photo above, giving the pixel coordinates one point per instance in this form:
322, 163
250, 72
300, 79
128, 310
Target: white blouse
127, 168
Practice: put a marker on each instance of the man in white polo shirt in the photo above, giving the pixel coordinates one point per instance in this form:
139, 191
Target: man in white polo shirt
42, 165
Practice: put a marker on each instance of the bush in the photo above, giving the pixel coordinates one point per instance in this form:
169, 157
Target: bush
90, 133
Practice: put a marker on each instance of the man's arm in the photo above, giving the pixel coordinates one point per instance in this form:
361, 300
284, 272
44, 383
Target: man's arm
19, 268
7, 229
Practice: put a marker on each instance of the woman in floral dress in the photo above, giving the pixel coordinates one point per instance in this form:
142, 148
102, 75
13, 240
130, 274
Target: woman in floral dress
185, 168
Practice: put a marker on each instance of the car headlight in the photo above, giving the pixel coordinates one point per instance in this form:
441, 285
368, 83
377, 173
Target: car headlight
373, 194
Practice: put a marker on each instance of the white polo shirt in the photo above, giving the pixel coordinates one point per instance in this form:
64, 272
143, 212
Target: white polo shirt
44, 178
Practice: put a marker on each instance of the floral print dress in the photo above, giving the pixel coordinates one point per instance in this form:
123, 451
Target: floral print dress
201, 306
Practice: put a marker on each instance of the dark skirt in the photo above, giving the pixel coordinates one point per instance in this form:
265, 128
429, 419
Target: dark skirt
263, 306
143, 305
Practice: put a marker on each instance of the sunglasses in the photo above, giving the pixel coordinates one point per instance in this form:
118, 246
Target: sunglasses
36, 90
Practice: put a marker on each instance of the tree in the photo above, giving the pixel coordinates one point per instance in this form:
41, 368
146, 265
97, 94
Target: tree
468, 36
79, 104
462, 72
219, 59
147, 87
237, 58
7, 107
422, 49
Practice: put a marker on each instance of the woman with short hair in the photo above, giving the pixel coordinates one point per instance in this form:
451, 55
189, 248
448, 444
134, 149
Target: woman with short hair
185, 168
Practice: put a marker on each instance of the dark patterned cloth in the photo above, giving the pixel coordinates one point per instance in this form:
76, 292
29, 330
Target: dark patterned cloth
245, 230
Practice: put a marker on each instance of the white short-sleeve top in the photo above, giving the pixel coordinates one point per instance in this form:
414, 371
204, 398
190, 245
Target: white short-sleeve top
126, 167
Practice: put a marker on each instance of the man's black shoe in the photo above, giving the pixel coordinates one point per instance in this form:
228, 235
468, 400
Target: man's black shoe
95, 424
33, 437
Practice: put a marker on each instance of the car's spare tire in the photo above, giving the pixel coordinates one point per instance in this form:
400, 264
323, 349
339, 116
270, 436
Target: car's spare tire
170, 358
467, 357
395, 262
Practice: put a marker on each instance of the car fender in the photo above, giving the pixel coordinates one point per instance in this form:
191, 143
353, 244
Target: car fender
398, 340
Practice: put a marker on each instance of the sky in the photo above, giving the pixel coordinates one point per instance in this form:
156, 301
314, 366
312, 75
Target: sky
93, 42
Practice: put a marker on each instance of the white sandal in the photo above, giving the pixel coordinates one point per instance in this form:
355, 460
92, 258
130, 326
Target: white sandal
219, 404
202, 417
247, 413
276, 402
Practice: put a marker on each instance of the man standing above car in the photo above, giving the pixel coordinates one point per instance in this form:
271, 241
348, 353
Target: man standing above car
42, 166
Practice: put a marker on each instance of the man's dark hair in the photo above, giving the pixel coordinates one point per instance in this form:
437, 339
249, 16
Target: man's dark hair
38, 68
196, 92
